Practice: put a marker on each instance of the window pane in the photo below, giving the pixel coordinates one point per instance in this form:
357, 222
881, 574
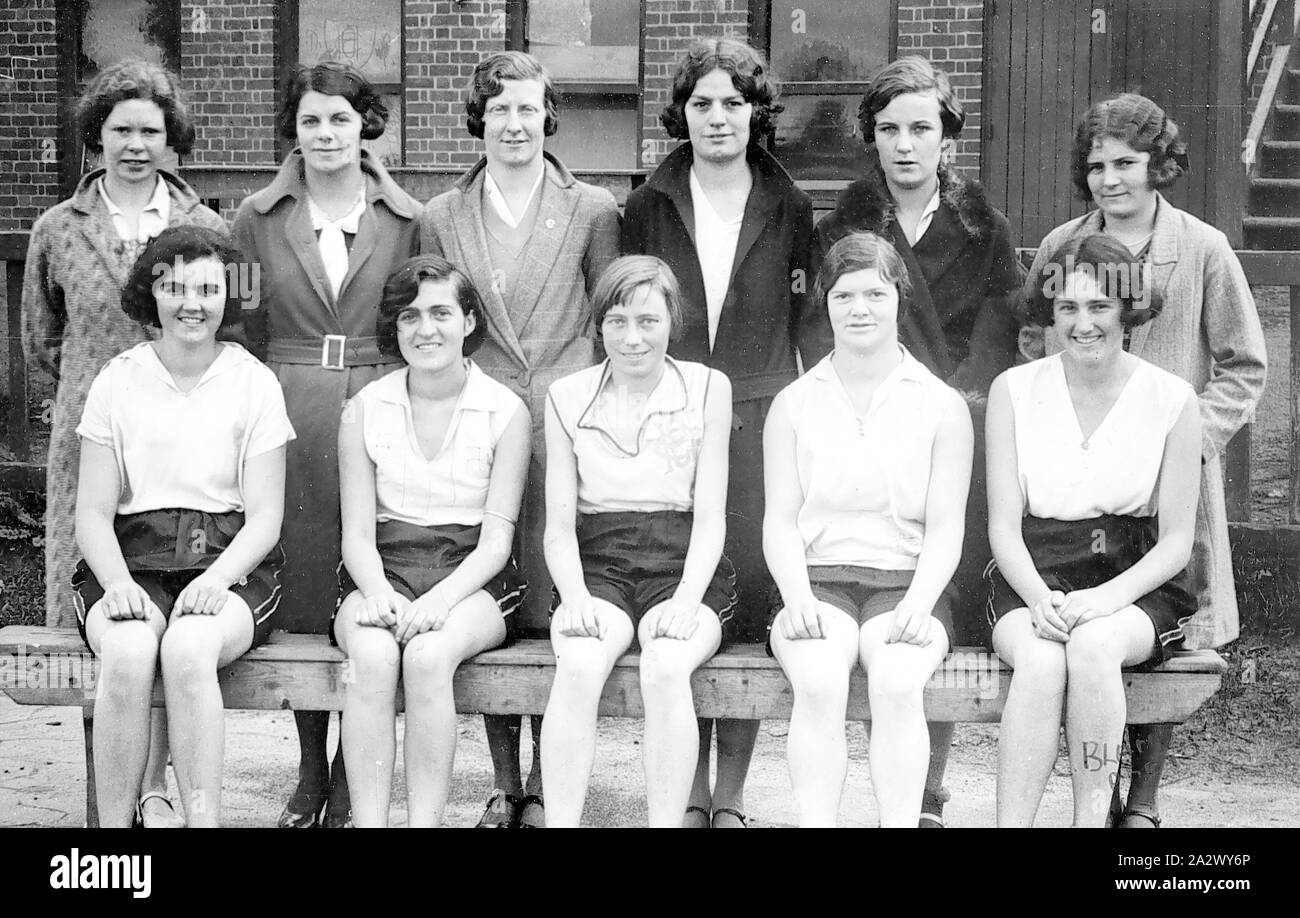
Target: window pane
596, 133
115, 29
366, 35
817, 137
388, 145
593, 41
829, 39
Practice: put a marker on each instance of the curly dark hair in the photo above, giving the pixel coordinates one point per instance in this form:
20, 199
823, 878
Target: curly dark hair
403, 286
1138, 122
133, 78
863, 252
175, 246
749, 75
332, 79
910, 74
1119, 274
485, 85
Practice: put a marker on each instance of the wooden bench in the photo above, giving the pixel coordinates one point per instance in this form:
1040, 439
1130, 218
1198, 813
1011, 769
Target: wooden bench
47, 666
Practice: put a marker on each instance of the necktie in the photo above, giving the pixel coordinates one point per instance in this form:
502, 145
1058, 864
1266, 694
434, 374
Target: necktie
333, 247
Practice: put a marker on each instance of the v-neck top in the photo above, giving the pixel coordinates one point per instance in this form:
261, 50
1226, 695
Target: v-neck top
184, 450
654, 471
450, 487
1116, 470
866, 477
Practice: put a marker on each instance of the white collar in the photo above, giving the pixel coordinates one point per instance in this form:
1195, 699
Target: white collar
348, 223
701, 200
497, 199
159, 202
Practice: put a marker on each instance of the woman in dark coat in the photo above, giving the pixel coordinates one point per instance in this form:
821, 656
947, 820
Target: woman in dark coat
751, 328
327, 232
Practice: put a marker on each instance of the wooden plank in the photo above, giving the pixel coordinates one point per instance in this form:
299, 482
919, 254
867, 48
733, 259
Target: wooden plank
1034, 121
1261, 32
1270, 269
1019, 69
1081, 98
1227, 185
52, 666
994, 122
1236, 476
1050, 155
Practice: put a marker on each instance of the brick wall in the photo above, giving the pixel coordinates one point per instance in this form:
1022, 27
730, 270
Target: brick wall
228, 73
444, 41
668, 31
950, 33
29, 111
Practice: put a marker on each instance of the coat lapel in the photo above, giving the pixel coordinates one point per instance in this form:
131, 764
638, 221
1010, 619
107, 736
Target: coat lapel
302, 241
1159, 268
467, 214
554, 214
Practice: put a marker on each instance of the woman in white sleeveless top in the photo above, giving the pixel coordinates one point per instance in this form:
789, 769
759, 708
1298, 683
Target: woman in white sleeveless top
636, 485
1093, 471
867, 462
432, 461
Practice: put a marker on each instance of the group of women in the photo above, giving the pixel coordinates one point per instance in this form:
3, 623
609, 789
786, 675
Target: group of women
401, 465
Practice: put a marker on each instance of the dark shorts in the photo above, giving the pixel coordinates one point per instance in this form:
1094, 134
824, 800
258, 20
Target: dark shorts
635, 560
862, 593
165, 549
1081, 554
417, 558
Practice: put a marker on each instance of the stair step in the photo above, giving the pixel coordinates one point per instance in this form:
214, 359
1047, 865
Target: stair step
1271, 223
1281, 145
1275, 184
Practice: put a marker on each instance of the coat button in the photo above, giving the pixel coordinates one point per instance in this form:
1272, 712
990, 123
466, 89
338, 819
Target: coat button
524, 378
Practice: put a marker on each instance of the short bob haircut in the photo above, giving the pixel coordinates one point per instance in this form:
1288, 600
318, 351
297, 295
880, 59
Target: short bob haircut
403, 286
179, 245
332, 79
749, 75
1108, 260
128, 79
621, 280
863, 252
1138, 122
910, 75
486, 84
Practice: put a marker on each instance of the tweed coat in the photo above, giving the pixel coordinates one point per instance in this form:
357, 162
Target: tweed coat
273, 227
763, 320
73, 324
574, 239
1209, 334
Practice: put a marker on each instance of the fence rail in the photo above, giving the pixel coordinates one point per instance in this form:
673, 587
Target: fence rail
26, 472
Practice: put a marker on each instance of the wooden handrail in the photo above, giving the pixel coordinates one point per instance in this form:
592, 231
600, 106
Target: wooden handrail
1261, 33
1264, 108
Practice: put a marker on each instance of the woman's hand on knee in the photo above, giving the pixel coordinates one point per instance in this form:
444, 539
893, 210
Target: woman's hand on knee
578, 618
381, 610
126, 599
910, 624
1045, 616
1082, 606
802, 620
677, 619
427, 613
206, 594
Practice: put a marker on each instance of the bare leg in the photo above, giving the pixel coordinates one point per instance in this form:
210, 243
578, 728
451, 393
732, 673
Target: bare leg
155, 809
816, 745
128, 662
1031, 719
1095, 710
582, 665
193, 649
429, 664
900, 743
368, 734
670, 750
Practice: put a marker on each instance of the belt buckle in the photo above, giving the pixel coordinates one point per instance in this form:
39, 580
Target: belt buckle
327, 345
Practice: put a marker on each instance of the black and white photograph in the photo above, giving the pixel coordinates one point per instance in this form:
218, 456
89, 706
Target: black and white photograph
651, 413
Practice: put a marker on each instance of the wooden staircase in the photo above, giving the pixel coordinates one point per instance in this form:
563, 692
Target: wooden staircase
1272, 148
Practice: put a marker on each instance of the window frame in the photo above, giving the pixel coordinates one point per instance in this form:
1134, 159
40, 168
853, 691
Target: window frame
574, 91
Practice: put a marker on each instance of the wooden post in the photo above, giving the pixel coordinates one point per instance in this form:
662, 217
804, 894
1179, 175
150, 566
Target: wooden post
17, 438
92, 801
1294, 514
1236, 476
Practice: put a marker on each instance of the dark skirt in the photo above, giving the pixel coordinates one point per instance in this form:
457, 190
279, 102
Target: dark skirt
1082, 554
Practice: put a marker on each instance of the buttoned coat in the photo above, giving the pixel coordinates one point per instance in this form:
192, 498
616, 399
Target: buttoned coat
573, 240
73, 324
1209, 334
273, 227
